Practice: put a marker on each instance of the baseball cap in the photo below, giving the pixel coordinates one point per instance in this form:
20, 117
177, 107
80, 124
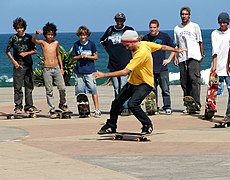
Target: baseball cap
223, 18
129, 36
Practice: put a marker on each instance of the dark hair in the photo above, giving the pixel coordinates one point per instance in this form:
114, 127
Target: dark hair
185, 8
83, 30
49, 27
19, 22
154, 21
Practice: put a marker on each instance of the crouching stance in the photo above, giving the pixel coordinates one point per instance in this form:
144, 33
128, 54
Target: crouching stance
140, 82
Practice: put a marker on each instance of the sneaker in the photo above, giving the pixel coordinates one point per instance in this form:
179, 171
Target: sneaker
32, 109
125, 112
52, 113
64, 108
185, 111
147, 129
18, 111
106, 129
168, 111
226, 118
97, 113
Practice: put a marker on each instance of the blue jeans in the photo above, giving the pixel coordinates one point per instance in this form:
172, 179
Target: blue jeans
162, 79
54, 76
118, 84
227, 81
20, 75
85, 83
135, 95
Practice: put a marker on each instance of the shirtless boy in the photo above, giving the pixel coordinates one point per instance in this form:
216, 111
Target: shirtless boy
53, 67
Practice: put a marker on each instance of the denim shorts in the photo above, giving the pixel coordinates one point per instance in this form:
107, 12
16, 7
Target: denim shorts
85, 83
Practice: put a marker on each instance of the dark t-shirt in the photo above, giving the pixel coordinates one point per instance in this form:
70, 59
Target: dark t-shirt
84, 65
21, 44
159, 56
119, 56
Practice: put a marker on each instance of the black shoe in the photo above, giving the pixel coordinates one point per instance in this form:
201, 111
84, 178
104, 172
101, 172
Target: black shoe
147, 129
106, 129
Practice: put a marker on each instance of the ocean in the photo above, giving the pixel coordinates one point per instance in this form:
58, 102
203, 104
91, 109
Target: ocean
67, 40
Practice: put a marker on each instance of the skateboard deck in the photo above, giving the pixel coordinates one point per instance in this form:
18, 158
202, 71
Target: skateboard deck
190, 104
220, 123
19, 116
132, 136
150, 104
62, 115
83, 105
210, 104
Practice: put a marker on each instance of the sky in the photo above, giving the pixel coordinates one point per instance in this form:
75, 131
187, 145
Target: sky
97, 15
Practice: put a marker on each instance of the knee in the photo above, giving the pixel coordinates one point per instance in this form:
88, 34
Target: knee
132, 105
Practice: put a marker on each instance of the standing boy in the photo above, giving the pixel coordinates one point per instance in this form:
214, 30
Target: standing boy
140, 82
221, 53
53, 68
161, 74
22, 61
188, 35
119, 56
85, 53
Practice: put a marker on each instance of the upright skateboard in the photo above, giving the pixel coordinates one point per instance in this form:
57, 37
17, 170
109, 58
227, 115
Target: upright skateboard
190, 104
132, 136
150, 104
210, 105
83, 105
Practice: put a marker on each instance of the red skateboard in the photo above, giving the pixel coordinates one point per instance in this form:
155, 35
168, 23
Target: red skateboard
210, 105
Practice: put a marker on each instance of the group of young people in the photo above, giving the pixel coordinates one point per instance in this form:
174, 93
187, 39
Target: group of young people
136, 67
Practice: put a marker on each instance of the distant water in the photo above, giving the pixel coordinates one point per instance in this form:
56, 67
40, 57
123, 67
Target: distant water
67, 40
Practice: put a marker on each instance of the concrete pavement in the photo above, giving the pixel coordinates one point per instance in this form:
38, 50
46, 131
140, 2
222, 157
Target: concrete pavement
182, 146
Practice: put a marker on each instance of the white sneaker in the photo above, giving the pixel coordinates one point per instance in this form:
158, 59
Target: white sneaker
97, 113
185, 111
168, 111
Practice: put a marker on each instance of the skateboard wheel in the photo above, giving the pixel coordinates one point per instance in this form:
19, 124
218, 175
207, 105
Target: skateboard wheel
225, 125
10, 117
32, 115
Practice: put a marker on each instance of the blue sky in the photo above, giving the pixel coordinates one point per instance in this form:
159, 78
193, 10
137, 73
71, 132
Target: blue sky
99, 14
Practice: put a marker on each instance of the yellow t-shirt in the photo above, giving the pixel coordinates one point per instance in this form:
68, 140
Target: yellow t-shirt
141, 64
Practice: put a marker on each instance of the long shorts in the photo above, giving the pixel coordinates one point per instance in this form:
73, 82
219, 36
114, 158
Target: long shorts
85, 83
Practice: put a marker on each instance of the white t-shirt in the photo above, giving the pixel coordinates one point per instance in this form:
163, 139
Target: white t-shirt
188, 36
220, 47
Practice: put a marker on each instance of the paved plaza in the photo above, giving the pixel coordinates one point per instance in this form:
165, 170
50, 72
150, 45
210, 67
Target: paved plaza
181, 147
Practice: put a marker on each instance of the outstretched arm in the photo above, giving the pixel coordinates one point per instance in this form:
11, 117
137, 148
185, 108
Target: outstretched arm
122, 72
168, 48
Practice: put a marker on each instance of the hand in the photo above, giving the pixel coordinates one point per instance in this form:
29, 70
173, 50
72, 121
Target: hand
39, 32
16, 65
83, 55
176, 62
23, 54
62, 71
165, 62
98, 74
182, 49
213, 69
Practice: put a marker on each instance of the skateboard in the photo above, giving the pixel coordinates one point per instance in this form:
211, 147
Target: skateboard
190, 104
62, 115
128, 136
210, 105
83, 105
150, 104
20, 116
220, 123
